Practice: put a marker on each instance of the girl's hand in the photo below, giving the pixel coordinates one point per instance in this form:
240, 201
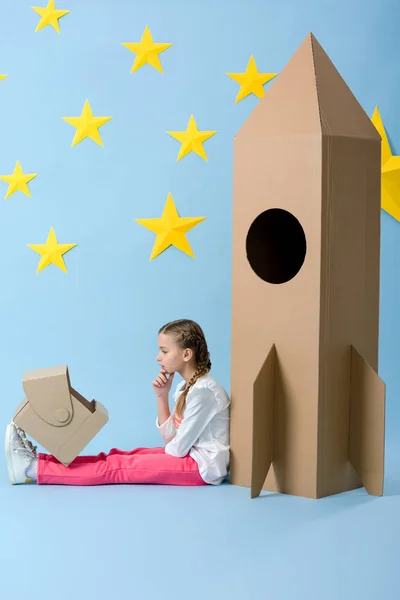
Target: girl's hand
162, 384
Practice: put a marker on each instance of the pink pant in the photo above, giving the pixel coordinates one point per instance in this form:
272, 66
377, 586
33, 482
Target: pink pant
142, 465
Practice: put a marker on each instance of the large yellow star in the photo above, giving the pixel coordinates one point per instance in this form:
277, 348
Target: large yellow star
87, 125
2, 77
49, 16
18, 181
51, 252
170, 229
146, 51
251, 81
192, 139
390, 186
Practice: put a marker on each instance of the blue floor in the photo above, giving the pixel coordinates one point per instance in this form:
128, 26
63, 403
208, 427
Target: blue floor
149, 542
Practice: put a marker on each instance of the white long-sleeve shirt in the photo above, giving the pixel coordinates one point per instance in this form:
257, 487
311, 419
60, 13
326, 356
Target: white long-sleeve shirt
204, 430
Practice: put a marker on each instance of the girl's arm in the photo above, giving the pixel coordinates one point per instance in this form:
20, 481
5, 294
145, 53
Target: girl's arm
163, 409
164, 423
198, 413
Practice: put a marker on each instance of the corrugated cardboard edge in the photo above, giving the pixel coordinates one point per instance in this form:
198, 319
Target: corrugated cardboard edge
367, 424
87, 431
263, 419
47, 391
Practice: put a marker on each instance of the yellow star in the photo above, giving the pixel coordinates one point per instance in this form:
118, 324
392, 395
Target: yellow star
170, 229
51, 252
390, 186
251, 81
49, 16
87, 125
192, 139
18, 181
146, 51
2, 77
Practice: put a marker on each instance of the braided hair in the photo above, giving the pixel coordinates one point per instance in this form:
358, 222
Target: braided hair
188, 334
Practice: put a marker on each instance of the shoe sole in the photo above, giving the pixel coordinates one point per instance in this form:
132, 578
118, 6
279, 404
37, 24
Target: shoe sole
10, 468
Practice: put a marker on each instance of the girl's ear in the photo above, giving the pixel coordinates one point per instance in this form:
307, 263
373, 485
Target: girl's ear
187, 354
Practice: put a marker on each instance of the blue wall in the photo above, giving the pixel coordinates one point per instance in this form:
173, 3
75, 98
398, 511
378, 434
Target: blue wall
102, 317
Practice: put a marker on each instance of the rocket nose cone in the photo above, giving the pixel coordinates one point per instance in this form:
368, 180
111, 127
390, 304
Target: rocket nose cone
308, 96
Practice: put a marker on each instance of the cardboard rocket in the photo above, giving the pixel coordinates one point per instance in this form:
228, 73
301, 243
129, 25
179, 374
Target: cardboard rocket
308, 408
55, 415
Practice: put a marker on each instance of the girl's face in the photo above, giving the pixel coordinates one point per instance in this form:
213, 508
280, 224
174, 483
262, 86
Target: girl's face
171, 357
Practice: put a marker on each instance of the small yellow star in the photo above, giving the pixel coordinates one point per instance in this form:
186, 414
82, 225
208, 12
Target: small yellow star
87, 125
390, 183
146, 51
192, 139
49, 16
51, 252
2, 77
18, 181
251, 81
170, 229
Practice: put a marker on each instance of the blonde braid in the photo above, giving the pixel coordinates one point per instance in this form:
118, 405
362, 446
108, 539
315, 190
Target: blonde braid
203, 367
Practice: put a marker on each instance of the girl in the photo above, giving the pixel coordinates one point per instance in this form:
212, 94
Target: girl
196, 434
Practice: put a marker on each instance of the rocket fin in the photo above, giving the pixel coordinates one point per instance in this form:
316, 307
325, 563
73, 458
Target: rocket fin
263, 401
367, 424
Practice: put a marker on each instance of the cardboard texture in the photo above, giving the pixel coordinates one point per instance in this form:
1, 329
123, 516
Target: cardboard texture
263, 406
367, 418
305, 283
56, 415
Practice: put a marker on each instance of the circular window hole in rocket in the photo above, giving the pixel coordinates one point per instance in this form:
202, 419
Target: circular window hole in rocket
276, 246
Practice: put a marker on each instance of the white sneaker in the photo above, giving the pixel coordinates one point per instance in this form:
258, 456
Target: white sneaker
19, 454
